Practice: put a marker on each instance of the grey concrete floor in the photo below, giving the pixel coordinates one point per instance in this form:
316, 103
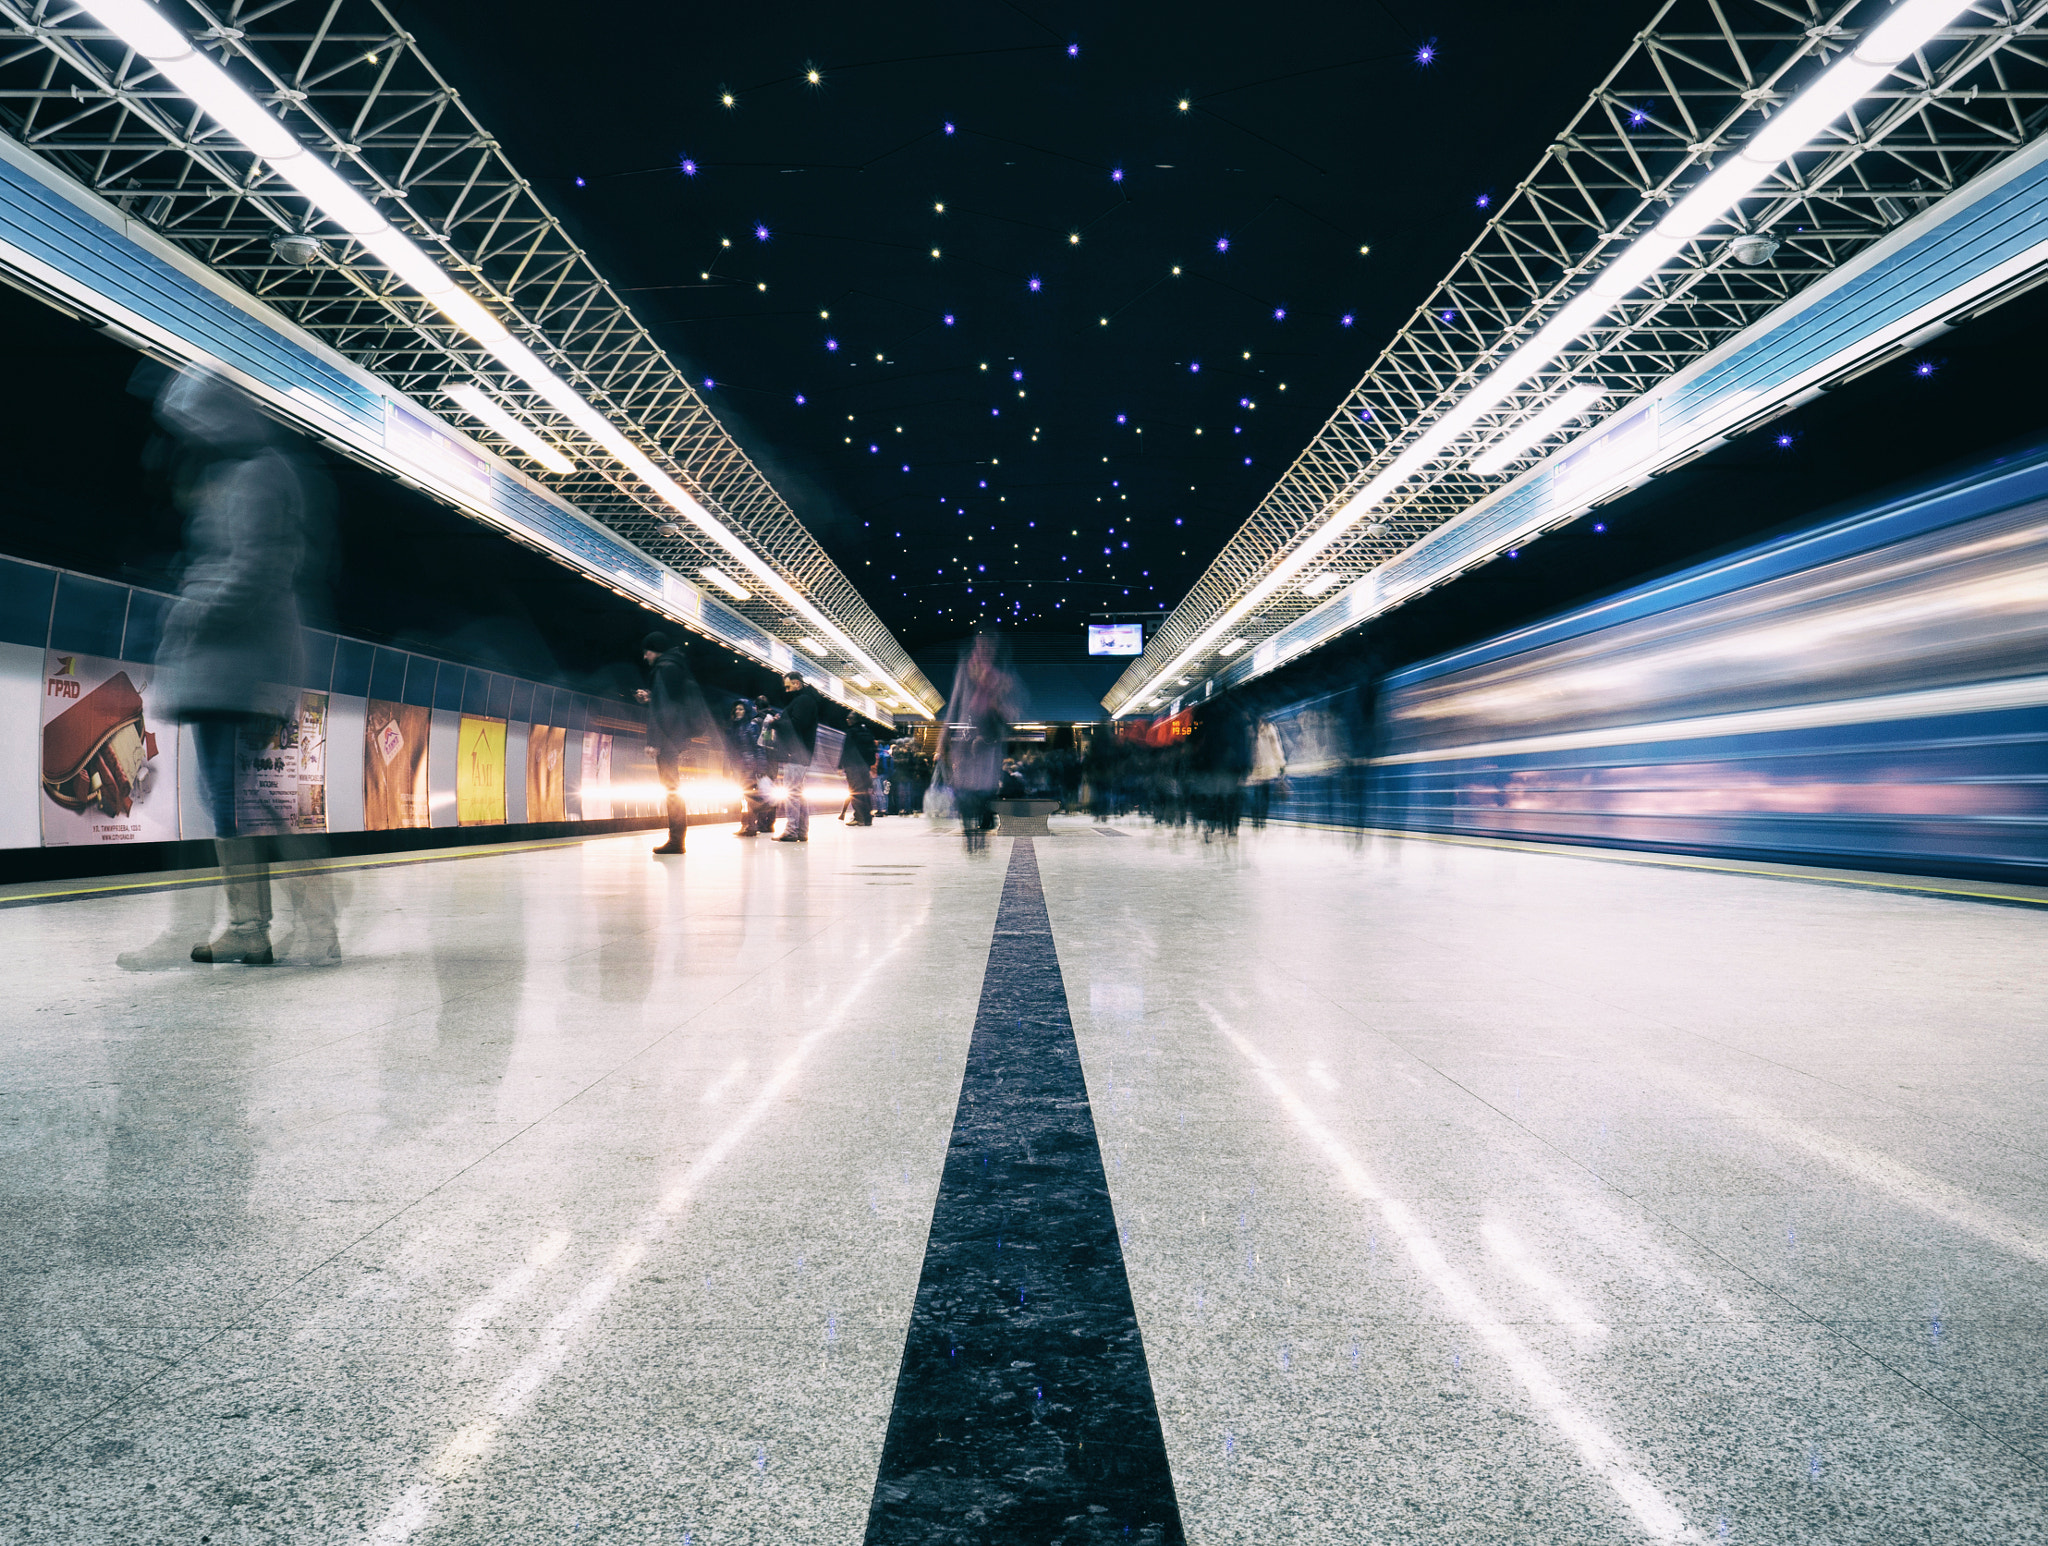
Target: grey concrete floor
1466, 1194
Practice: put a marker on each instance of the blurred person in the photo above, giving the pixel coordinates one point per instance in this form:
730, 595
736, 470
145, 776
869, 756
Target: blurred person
885, 778
229, 661
677, 719
1219, 757
857, 760
743, 736
1269, 768
795, 730
978, 719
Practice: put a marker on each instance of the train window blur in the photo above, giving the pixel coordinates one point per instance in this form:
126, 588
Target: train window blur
1955, 607
1873, 692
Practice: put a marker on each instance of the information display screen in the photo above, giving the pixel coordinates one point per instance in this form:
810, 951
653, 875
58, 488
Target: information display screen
1116, 638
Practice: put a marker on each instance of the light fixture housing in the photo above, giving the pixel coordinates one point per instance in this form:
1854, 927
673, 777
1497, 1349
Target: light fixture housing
1315, 585
1575, 403
470, 397
725, 582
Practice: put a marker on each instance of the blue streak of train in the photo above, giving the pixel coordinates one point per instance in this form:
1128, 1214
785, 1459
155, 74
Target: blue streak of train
1873, 692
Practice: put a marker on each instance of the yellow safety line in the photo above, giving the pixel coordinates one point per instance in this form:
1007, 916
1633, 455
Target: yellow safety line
1663, 862
368, 861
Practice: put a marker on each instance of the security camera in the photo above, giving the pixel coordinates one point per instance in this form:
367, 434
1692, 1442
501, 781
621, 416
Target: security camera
299, 251
1751, 250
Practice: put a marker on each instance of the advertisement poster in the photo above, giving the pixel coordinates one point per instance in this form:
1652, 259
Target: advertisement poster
597, 777
545, 797
395, 766
281, 778
110, 766
312, 762
480, 772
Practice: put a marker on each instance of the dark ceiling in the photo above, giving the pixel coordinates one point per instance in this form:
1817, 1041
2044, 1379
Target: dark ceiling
1044, 421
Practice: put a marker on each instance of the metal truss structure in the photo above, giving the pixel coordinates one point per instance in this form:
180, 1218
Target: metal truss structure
1695, 84
351, 83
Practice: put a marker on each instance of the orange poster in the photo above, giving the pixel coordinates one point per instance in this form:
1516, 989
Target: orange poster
545, 800
395, 766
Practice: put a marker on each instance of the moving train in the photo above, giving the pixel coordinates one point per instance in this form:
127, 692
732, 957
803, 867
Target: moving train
1871, 693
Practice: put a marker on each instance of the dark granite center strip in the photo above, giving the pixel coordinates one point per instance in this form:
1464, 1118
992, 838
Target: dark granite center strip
1024, 1408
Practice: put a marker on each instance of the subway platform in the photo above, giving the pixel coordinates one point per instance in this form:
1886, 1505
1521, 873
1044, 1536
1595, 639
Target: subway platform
1112, 1186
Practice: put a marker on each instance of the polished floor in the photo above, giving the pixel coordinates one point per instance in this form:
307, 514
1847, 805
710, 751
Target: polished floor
1459, 1194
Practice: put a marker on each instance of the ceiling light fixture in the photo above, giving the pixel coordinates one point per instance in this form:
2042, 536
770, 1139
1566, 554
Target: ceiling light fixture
1574, 404
1317, 584
1890, 43
170, 52
471, 399
726, 583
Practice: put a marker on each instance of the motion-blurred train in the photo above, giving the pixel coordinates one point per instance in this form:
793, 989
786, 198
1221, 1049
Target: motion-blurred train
1873, 692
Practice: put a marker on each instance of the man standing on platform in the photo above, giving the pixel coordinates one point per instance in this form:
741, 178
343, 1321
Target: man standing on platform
857, 761
796, 737
677, 719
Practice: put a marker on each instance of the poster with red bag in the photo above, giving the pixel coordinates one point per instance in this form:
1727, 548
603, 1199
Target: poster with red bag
110, 765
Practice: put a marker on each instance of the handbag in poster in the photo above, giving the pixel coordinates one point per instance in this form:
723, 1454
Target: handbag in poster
395, 766
109, 765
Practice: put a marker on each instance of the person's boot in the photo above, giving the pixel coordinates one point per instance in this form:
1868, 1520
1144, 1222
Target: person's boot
246, 940
314, 938
678, 827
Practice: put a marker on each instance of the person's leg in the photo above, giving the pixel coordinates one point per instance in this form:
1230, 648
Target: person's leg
245, 875
863, 808
671, 769
797, 829
750, 801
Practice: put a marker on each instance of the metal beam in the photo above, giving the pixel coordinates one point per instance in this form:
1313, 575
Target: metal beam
1694, 85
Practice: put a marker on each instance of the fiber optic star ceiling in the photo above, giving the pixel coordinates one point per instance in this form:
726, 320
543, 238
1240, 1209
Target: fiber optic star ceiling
1024, 309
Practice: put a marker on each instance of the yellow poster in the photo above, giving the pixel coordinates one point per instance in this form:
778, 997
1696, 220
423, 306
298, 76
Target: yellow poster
544, 795
480, 773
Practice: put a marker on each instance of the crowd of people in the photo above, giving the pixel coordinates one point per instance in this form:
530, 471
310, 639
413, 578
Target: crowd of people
1211, 769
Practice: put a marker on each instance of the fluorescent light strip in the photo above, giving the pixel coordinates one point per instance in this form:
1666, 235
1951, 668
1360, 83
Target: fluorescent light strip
1576, 403
472, 401
1317, 584
1910, 24
725, 582
145, 29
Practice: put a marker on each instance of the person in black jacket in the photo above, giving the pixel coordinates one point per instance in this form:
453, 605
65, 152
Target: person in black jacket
676, 720
796, 732
743, 733
857, 761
